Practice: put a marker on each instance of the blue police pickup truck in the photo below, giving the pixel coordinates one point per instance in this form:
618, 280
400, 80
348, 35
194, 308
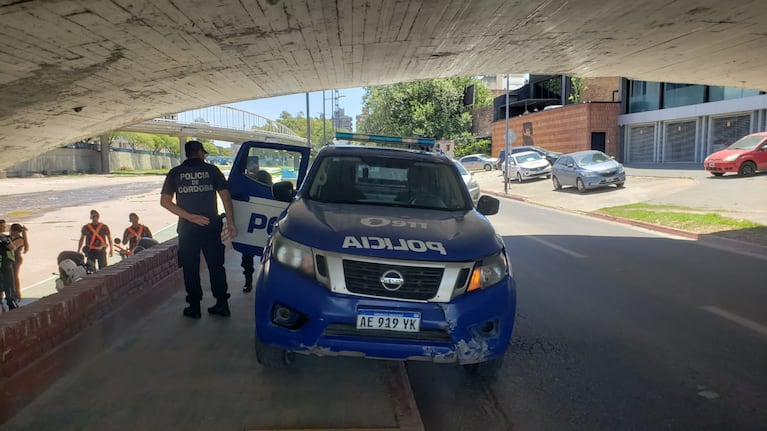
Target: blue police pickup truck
374, 252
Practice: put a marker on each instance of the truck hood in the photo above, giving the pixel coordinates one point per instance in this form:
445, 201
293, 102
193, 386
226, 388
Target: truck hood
391, 232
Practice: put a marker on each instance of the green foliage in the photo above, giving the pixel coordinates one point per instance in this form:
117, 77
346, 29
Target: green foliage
298, 125
429, 108
578, 87
466, 145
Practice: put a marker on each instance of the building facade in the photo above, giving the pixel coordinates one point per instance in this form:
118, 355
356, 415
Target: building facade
682, 123
542, 113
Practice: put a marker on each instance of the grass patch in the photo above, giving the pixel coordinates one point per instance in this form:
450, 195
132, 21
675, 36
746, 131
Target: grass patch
692, 220
678, 217
16, 214
140, 172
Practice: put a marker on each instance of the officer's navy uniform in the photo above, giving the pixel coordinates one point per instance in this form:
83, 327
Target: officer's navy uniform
195, 184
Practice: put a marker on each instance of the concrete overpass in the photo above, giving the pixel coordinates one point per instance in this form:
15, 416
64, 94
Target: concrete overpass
219, 122
73, 69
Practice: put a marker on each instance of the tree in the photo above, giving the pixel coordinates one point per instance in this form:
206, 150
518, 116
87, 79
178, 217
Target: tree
468, 144
298, 125
578, 87
430, 108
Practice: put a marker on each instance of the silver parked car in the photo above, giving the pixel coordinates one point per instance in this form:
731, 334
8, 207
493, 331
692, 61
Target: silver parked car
587, 170
526, 165
471, 183
478, 162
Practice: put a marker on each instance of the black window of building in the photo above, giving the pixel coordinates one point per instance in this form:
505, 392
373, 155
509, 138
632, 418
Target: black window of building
644, 96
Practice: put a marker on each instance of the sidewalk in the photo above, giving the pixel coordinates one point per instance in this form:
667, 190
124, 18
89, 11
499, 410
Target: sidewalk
685, 186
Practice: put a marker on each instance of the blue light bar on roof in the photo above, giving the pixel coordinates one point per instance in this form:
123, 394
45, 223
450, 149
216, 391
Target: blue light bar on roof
385, 139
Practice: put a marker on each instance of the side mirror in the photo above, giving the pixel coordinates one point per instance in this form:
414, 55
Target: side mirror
283, 191
571, 165
488, 205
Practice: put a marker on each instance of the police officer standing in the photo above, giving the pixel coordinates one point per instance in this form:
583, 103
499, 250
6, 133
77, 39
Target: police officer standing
195, 184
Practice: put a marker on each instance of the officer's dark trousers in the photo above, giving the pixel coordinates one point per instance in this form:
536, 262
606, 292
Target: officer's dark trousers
191, 240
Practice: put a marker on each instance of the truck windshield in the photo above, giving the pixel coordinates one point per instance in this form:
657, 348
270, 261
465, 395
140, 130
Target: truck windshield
388, 181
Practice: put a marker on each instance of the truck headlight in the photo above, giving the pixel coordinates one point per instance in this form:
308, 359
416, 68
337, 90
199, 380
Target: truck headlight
293, 255
488, 272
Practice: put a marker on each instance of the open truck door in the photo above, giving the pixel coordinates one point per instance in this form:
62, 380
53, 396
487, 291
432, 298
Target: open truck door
256, 168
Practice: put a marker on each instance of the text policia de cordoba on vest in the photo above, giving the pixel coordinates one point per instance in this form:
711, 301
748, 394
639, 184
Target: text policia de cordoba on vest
194, 188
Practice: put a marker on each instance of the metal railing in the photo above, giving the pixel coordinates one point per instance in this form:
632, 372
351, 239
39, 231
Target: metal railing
231, 118
218, 122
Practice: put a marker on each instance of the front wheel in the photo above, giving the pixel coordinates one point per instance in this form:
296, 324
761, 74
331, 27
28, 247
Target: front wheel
619, 185
557, 185
488, 167
271, 356
747, 169
580, 185
519, 177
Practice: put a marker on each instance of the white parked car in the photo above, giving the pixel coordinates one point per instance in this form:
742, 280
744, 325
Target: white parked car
478, 162
471, 182
526, 165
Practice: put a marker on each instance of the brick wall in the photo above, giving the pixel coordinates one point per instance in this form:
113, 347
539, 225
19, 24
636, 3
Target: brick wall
32, 336
601, 89
566, 129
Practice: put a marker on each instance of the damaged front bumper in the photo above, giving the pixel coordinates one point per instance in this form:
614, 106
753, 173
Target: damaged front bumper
473, 327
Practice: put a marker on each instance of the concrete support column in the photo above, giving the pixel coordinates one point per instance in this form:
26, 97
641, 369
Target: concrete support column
105, 169
181, 154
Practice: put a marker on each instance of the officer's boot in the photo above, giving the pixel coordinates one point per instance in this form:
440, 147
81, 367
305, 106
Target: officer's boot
248, 282
221, 308
193, 310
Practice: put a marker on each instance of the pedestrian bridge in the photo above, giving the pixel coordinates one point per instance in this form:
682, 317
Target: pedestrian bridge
222, 123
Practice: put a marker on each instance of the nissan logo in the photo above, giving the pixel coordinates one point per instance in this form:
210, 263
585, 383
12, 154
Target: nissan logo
392, 280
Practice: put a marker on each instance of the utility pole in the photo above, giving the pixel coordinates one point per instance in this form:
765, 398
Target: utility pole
308, 123
508, 143
324, 135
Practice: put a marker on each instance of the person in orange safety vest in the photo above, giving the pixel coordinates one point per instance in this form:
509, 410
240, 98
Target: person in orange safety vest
94, 240
134, 233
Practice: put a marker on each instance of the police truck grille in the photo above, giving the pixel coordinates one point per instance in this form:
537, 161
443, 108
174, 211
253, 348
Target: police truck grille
364, 278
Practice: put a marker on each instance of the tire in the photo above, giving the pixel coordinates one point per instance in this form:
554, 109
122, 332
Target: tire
270, 356
488, 167
557, 185
717, 174
619, 185
747, 169
519, 178
580, 185
487, 370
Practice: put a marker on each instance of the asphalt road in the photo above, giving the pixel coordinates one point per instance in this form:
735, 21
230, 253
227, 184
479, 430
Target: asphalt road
617, 329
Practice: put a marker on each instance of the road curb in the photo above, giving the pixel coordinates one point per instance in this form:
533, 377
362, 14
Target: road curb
712, 240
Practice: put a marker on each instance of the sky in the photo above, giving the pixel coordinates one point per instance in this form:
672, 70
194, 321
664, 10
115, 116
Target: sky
350, 101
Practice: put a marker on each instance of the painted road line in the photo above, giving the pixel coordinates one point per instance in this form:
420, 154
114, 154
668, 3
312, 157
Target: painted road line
558, 248
742, 321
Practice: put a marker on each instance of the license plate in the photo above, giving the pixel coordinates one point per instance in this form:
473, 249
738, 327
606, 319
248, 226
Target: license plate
712, 165
389, 320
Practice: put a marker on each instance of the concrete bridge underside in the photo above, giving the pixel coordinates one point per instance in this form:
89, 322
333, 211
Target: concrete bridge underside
73, 69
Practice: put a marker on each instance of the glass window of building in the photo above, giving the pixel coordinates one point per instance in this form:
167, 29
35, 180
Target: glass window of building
716, 94
683, 94
644, 96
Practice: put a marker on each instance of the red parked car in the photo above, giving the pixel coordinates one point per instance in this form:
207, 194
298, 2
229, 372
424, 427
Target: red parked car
746, 156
